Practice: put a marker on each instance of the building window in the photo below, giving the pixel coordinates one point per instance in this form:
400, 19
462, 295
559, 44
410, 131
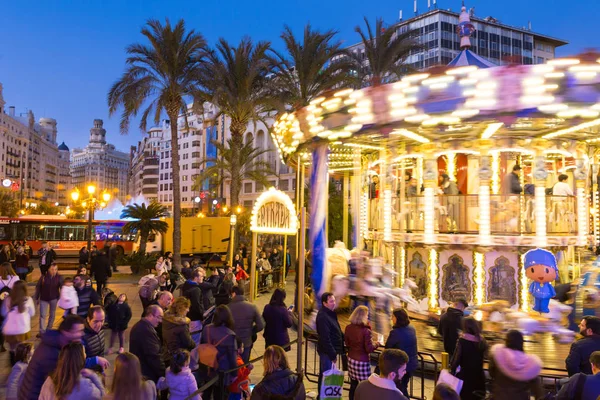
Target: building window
248, 187
284, 185
184, 178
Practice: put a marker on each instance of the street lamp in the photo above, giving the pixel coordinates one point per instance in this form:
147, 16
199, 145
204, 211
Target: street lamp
91, 203
232, 222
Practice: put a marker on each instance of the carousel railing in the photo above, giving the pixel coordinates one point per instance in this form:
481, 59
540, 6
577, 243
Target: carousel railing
561, 215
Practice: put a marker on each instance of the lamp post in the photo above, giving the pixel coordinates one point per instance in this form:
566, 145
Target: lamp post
197, 200
91, 203
232, 222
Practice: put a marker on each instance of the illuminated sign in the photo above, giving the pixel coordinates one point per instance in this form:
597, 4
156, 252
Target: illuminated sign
274, 212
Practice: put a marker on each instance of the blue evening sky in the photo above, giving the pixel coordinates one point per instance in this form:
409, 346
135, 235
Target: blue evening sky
60, 57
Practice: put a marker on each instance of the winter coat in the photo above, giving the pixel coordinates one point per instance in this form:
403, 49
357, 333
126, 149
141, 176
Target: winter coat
359, 342
277, 321
15, 379
331, 339
145, 344
209, 288
176, 335
118, 316
101, 267
84, 257
180, 385
89, 387
15, 322
227, 348
578, 359
48, 287
468, 355
50, 256
405, 339
591, 387
93, 341
223, 297
450, 324
22, 263
191, 291
113, 254
377, 388
42, 363
87, 296
280, 384
246, 318
4, 257
514, 374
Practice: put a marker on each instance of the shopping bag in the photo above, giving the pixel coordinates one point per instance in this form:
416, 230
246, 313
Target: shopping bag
450, 380
333, 382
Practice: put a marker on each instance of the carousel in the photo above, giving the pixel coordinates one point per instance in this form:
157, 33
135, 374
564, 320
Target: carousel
451, 175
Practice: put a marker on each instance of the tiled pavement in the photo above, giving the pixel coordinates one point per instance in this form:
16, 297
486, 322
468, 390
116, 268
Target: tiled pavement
124, 282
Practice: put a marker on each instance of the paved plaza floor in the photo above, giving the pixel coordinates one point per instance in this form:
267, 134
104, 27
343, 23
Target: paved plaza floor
124, 282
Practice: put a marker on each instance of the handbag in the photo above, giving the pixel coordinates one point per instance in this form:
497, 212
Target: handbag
450, 380
333, 382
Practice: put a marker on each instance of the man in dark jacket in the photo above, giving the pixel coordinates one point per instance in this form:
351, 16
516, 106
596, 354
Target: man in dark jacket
331, 340
47, 255
451, 323
512, 183
45, 357
247, 320
582, 386
192, 291
392, 367
163, 300
581, 350
101, 269
93, 337
113, 254
87, 296
144, 343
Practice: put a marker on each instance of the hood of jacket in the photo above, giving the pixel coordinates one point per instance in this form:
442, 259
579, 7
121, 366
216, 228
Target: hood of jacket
282, 382
173, 319
515, 364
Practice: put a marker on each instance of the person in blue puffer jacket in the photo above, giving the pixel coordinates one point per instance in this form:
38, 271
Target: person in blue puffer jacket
404, 337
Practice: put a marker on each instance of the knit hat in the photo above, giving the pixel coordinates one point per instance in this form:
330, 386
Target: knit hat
540, 257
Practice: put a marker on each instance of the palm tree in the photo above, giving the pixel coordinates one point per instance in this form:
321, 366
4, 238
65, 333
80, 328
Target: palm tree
386, 50
236, 80
309, 70
159, 77
249, 160
146, 221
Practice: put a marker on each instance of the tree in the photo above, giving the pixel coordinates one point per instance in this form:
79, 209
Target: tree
248, 161
386, 50
236, 80
146, 221
9, 207
159, 77
309, 70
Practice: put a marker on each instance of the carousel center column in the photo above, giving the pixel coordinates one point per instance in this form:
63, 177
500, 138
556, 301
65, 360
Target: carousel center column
539, 176
319, 186
485, 175
581, 176
429, 183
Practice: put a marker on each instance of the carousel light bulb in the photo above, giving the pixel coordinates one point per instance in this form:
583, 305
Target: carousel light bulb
582, 219
402, 266
433, 279
479, 275
484, 216
524, 286
387, 215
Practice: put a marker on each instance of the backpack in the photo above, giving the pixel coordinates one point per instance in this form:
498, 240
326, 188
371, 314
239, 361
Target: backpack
148, 287
208, 354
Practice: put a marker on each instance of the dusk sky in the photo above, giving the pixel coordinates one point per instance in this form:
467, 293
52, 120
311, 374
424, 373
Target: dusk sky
59, 58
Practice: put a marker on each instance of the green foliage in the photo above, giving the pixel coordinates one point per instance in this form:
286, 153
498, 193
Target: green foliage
9, 206
145, 221
139, 262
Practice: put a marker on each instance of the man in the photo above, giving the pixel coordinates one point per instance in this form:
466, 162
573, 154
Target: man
247, 320
562, 188
451, 192
209, 287
45, 357
145, 344
450, 324
512, 183
579, 355
93, 337
163, 300
47, 257
86, 294
113, 254
191, 290
582, 386
331, 340
392, 367
101, 269
47, 293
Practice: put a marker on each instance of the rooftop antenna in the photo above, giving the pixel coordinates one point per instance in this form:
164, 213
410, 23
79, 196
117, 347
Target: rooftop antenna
428, 5
416, 12
434, 3
529, 25
400, 16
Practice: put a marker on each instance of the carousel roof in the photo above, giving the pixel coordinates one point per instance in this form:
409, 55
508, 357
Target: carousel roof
467, 57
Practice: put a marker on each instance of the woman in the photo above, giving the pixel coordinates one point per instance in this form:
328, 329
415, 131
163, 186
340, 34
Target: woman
469, 354
220, 333
404, 337
176, 329
128, 383
17, 310
5, 254
358, 338
278, 379
225, 290
277, 321
237, 260
8, 277
515, 374
160, 266
164, 282
22, 263
84, 256
70, 381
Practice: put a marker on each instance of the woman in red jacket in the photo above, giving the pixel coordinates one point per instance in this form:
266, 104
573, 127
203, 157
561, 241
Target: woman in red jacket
358, 338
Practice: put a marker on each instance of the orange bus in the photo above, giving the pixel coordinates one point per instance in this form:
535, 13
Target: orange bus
65, 236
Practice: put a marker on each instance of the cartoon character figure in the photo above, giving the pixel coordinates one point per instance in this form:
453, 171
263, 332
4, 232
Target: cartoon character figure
540, 267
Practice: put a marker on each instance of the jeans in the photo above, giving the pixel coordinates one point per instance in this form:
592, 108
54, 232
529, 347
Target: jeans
113, 335
325, 364
44, 305
246, 353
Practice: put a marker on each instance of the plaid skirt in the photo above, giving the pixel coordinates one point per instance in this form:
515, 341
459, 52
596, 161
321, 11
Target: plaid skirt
359, 370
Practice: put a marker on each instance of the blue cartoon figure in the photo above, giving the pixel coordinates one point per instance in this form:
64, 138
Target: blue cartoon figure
540, 267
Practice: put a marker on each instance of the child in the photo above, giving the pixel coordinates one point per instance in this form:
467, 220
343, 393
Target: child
238, 389
69, 301
23, 355
118, 315
179, 378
